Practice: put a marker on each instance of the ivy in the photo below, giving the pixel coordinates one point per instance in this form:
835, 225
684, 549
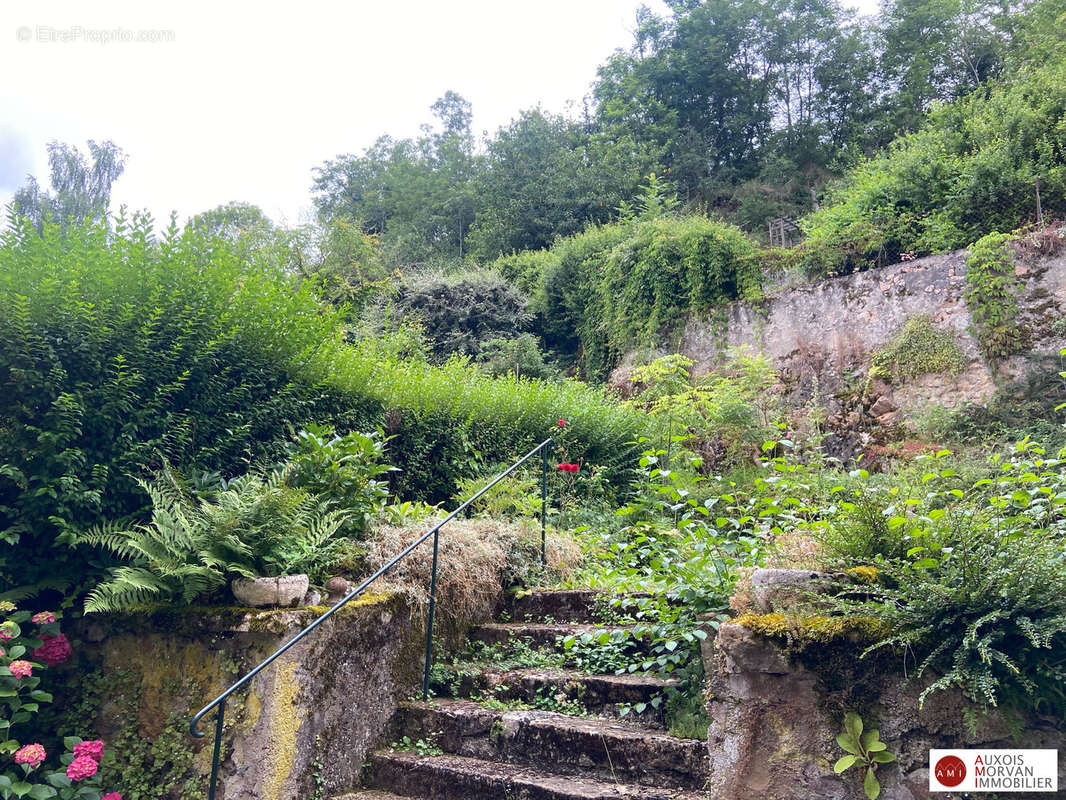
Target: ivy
990, 297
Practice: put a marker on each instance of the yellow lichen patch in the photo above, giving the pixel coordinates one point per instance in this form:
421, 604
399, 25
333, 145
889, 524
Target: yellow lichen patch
812, 629
164, 670
865, 574
284, 725
253, 707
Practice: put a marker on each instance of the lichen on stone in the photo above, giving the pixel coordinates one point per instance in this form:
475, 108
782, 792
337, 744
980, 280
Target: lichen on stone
865, 574
804, 630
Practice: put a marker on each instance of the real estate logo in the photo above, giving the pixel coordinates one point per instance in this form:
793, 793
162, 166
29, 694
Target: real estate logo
994, 770
950, 771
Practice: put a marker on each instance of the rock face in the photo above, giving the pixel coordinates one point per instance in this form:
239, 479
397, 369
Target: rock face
774, 719
821, 335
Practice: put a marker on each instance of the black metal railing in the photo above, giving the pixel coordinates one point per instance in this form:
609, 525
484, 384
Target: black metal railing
220, 701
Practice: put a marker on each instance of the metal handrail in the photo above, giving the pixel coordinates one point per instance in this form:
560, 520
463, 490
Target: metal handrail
220, 701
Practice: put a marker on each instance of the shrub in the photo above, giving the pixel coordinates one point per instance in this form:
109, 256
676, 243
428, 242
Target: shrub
120, 352
976, 594
342, 472
614, 287
460, 312
725, 414
519, 357
448, 422
252, 527
20, 700
969, 170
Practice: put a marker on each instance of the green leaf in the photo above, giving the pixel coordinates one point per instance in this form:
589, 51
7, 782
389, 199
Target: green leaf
870, 784
848, 743
843, 763
853, 725
882, 757
42, 792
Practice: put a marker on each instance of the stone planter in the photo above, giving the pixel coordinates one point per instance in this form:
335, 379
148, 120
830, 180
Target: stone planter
287, 590
787, 589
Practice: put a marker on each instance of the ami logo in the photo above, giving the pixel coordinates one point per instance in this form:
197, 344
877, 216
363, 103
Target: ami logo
950, 771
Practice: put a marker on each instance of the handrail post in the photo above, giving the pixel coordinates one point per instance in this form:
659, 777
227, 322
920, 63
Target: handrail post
544, 509
429, 621
217, 751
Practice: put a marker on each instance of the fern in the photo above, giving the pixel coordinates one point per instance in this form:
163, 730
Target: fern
254, 526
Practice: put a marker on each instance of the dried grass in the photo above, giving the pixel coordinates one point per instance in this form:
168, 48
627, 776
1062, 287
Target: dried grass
477, 558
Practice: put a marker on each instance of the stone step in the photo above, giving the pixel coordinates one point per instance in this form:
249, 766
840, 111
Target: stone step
590, 746
454, 777
562, 605
600, 694
542, 636
371, 794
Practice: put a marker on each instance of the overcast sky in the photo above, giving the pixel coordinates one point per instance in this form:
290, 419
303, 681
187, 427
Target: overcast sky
239, 100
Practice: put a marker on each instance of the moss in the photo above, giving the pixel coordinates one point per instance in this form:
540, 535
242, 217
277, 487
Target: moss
865, 574
804, 630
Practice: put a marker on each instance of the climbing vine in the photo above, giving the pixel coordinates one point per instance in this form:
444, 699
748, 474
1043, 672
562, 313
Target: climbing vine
990, 296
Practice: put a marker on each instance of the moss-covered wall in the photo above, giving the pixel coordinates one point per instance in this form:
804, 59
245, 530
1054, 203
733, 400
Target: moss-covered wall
301, 731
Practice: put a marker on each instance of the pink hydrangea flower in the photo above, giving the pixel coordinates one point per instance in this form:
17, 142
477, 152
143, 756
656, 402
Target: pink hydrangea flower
7, 631
44, 618
80, 768
53, 650
32, 754
94, 750
112, 796
21, 669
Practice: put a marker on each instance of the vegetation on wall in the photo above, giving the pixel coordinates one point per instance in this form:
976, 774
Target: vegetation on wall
990, 296
614, 287
971, 169
919, 348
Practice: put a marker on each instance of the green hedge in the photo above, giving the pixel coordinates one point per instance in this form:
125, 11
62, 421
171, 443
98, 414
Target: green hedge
615, 287
118, 351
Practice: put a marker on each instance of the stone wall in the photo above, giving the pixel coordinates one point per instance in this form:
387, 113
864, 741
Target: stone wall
775, 711
823, 335
307, 721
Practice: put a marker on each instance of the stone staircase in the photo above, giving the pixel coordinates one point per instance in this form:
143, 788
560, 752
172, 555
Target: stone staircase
459, 749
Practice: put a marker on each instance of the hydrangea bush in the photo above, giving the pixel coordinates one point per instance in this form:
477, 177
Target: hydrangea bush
24, 768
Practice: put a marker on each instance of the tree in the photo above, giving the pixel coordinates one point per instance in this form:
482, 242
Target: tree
80, 190
418, 194
547, 176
